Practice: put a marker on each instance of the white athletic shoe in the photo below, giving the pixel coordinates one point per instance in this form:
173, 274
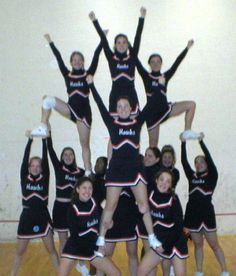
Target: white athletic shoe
225, 273
40, 131
82, 268
190, 135
172, 272
153, 241
198, 274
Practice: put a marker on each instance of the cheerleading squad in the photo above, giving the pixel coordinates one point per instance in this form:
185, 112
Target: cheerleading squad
129, 197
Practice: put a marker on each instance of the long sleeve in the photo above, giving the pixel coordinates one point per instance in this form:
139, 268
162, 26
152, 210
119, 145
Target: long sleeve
142, 71
45, 166
138, 34
104, 41
169, 74
187, 168
64, 70
55, 161
25, 162
177, 214
104, 112
94, 64
210, 164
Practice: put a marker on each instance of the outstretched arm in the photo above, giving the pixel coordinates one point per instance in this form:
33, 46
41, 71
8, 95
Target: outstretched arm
45, 166
105, 45
139, 30
25, 162
64, 70
187, 168
142, 71
169, 74
55, 161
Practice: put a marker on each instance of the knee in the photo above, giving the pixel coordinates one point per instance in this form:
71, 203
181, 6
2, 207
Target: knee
115, 272
215, 246
49, 102
143, 207
141, 271
21, 251
198, 244
192, 105
131, 252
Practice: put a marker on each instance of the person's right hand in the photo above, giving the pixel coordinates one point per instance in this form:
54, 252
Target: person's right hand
48, 38
92, 16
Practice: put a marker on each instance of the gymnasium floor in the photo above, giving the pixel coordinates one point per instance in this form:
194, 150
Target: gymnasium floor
36, 261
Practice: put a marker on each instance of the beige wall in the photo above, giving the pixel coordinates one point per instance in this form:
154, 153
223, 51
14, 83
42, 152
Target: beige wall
207, 75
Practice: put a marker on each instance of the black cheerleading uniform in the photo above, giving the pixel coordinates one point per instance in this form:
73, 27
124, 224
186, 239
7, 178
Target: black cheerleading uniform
125, 219
35, 221
151, 84
200, 213
66, 177
151, 171
125, 167
77, 87
167, 217
83, 222
99, 189
122, 69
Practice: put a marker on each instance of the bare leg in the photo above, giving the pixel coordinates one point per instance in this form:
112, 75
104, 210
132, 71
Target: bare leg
198, 249
84, 135
187, 107
65, 266
179, 266
106, 265
110, 247
49, 245
212, 240
166, 267
146, 245
149, 261
132, 252
63, 237
20, 251
109, 150
154, 136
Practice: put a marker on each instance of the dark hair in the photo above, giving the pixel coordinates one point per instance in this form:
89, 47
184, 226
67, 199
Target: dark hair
103, 159
155, 151
76, 53
74, 164
202, 156
154, 55
121, 35
169, 149
35, 158
124, 98
165, 170
80, 181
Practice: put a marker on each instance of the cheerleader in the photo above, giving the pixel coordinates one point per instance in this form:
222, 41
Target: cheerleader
164, 109
77, 109
200, 215
167, 216
35, 221
83, 222
125, 167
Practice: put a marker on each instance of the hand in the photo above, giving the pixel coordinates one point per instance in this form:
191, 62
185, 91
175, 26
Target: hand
48, 38
182, 138
159, 249
28, 134
92, 16
190, 43
89, 79
106, 32
143, 12
186, 231
201, 136
162, 79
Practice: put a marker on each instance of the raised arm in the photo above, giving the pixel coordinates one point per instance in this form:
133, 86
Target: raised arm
55, 161
105, 44
169, 74
142, 71
187, 168
102, 108
64, 70
45, 166
25, 162
139, 30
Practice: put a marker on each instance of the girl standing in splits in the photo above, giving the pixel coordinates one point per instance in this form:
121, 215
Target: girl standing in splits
165, 110
78, 107
167, 216
83, 222
125, 168
35, 221
200, 215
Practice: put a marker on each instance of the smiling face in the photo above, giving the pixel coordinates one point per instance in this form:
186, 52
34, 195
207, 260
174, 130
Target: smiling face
155, 63
200, 164
121, 44
167, 159
77, 61
164, 182
150, 159
35, 166
123, 108
85, 191
68, 157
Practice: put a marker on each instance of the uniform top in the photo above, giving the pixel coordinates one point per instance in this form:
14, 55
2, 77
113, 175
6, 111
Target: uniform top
66, 175
201, 185
151, 80
122, 66
83, 219
75, 80
124, 133
99, 189
34, 188
150, 172
167, 216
